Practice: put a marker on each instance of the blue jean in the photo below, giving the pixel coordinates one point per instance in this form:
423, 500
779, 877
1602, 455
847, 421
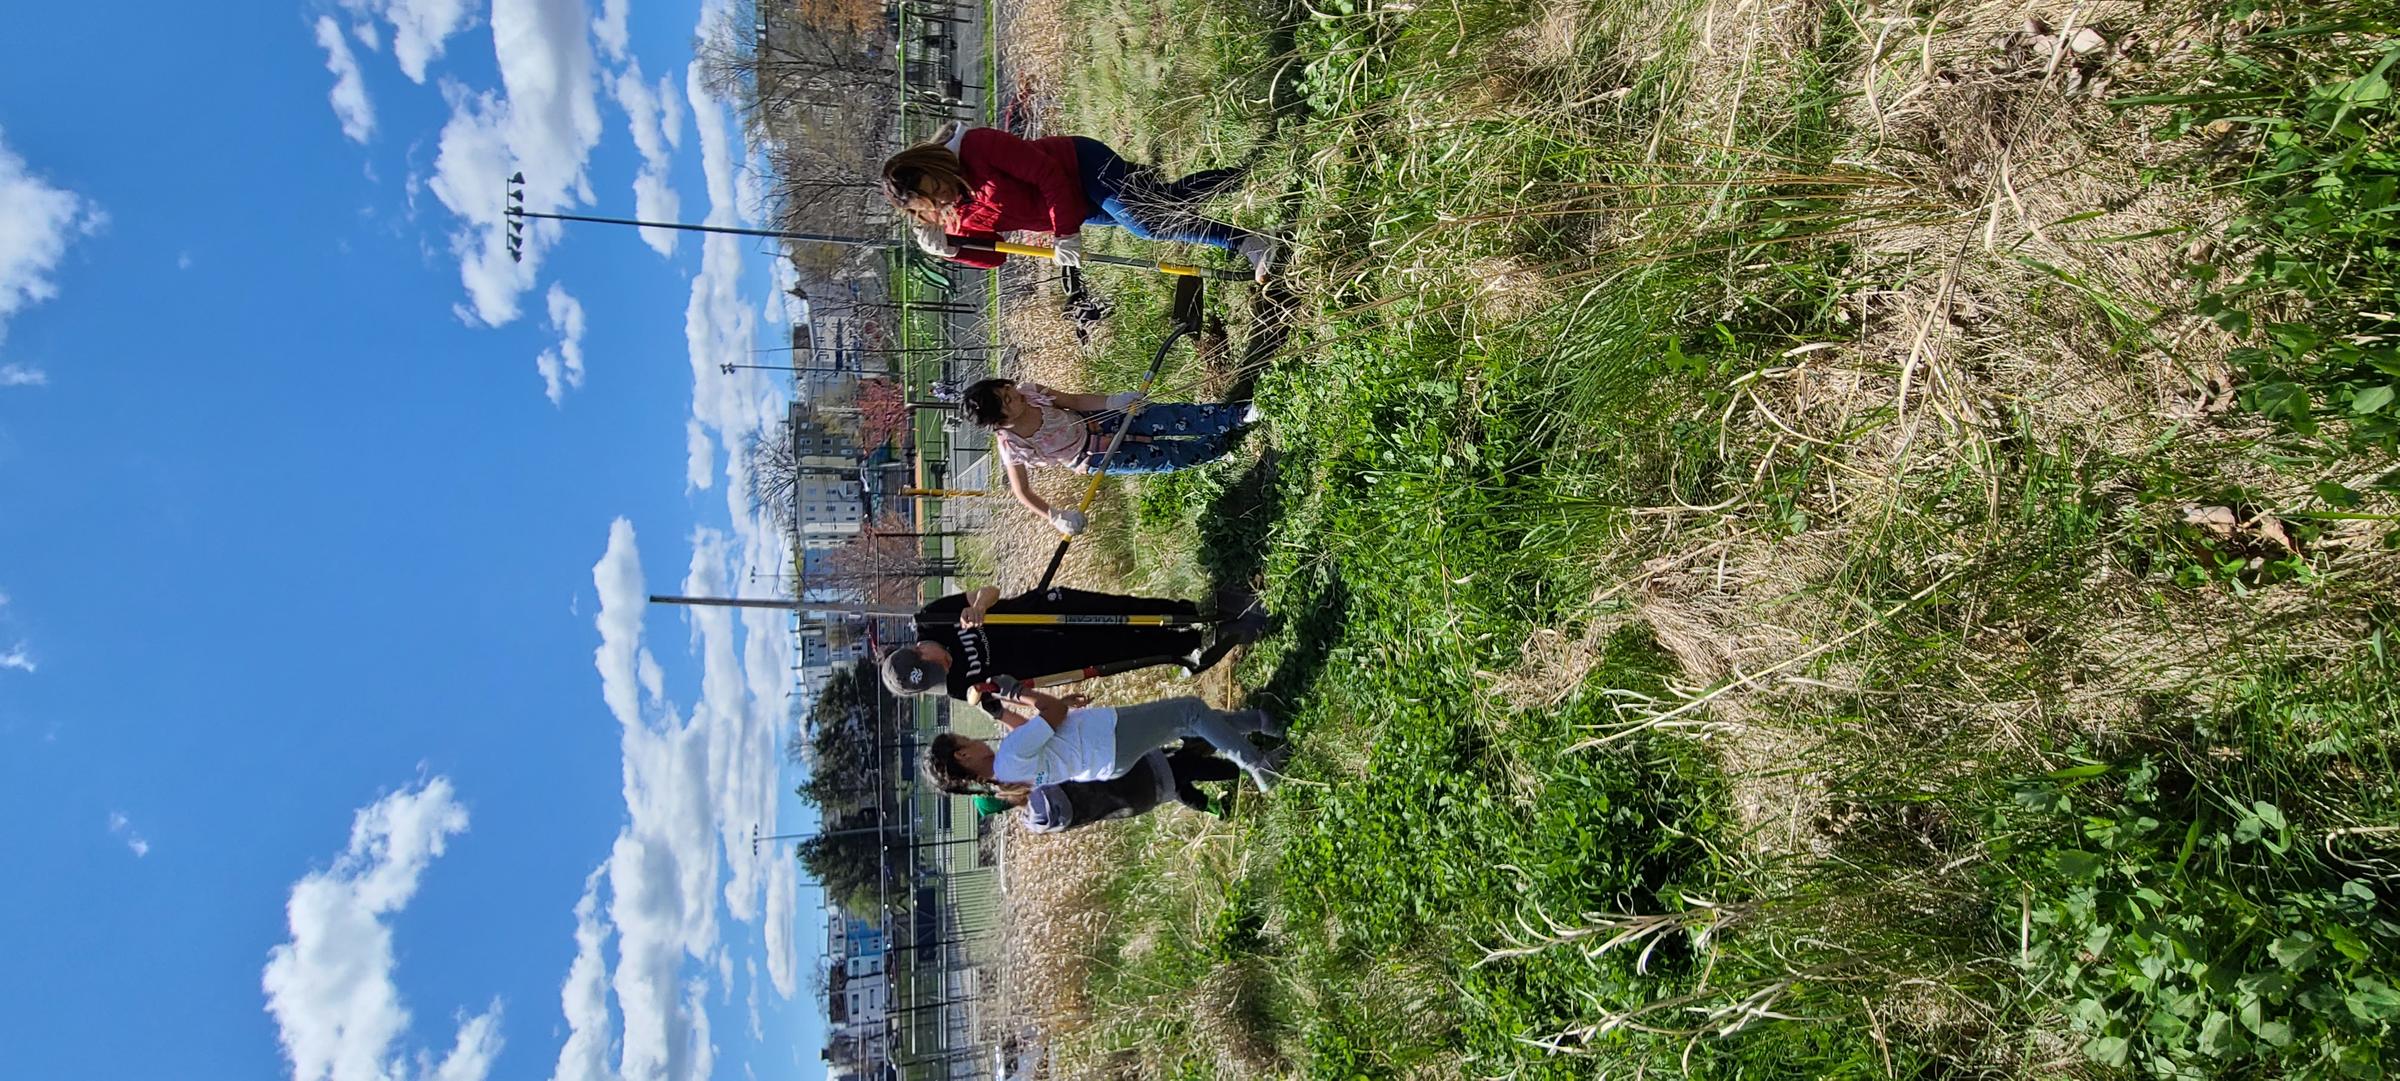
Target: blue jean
1128, 197
1148, 726
1181, 435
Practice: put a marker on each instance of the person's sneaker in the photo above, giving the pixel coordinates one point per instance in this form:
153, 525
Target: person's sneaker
1272, 724
1207, 658
1250, 414
1261, 253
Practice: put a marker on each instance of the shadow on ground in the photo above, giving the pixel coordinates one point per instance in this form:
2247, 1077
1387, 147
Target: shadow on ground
1313, 626
1233, 535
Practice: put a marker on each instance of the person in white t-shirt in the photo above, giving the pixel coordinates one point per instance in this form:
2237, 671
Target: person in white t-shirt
1052, 740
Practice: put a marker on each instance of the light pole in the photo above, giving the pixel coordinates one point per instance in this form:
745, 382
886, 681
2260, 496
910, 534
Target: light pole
515, 215
756, 840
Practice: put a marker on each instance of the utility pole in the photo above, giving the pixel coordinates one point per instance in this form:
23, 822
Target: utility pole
515, 214
839, 608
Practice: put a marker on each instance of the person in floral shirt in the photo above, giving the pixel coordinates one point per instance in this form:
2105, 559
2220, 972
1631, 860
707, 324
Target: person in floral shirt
1034, 426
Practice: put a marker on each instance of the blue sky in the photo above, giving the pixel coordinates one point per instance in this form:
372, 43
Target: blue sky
335, 738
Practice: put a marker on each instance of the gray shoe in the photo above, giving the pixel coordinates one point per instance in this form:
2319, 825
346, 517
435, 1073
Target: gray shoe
1261, 253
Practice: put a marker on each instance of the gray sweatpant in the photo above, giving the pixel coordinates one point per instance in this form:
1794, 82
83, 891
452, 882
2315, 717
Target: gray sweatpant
1150, 726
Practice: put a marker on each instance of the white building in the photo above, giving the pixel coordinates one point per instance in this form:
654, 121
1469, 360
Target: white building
857, 998
827, 498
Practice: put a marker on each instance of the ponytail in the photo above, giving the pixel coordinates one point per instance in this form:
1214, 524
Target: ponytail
944, 773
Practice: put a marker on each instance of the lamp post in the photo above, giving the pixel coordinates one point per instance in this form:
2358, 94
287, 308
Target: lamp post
729, 367
756, 839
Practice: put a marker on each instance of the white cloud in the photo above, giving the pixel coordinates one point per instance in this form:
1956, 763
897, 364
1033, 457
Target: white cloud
661, 877
655, 117
18, 375
349, 95
122, 828
368, 37
700, 455
621, 656
584, 997
419, 28
544, 123
670, 111
18, 659
610, 27
562, 367
758, 1028
693, 788
183, 261
37, 222
470, 1057
470, 176
337, 1011
742, 691
782, 917
702, 1060
719, 326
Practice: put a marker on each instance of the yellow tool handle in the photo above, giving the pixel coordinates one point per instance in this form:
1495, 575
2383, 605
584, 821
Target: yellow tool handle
1032, 619
1010, 247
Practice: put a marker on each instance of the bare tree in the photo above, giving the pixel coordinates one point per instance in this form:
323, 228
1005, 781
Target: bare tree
775, 472
778, 70
825, 176
885, 563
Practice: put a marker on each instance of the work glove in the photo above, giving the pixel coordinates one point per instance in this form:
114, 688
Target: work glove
1069, 522
933, 240
1127, 401
1067, 251
1007, 685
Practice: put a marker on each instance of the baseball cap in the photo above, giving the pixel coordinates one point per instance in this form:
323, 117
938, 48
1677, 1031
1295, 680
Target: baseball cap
905, 671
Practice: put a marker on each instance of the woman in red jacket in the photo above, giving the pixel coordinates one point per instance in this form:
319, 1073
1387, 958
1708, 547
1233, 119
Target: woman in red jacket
980, 182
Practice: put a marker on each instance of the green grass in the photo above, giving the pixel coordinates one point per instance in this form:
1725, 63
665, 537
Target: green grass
2296, 116
1676, 696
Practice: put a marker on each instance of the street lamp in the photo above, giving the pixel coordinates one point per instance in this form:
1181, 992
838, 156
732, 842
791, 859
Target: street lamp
756, 840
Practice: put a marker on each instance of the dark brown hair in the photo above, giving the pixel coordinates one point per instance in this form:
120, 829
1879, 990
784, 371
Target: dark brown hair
981, 402
944, 772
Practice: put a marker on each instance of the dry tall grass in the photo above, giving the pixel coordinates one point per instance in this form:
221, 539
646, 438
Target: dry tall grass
2022, 297
1954, 373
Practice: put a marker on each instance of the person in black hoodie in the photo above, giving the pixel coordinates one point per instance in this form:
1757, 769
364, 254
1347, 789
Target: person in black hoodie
955, 650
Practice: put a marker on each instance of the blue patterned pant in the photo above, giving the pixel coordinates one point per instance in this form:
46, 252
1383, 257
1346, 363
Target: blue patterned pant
1180, 435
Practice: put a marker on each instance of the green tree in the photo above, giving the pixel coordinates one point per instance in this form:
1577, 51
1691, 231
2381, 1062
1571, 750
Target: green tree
850, 864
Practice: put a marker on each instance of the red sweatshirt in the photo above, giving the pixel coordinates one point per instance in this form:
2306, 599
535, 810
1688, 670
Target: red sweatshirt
1016, 185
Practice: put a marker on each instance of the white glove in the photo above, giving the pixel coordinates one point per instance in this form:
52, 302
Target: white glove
1127, 401
1008, 686
1067, 251
1069, 522
933, 240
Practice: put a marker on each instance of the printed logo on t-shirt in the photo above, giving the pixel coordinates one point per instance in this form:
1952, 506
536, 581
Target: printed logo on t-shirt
974, 653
